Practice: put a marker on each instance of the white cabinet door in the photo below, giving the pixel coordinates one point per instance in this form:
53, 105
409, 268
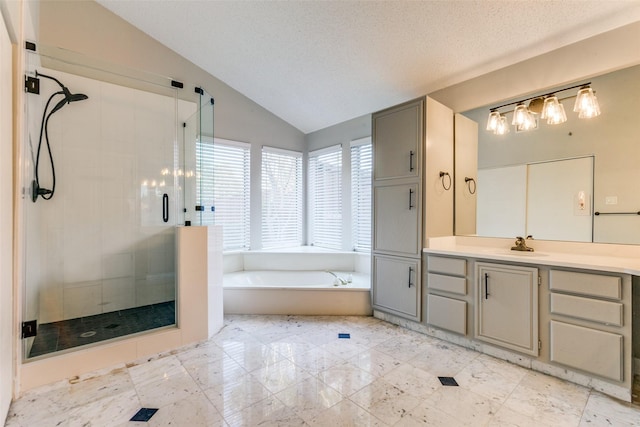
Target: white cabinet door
507, 306
397, 139
395, 286
397, 219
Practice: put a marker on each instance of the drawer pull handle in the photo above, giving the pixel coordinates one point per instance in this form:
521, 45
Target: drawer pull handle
410, 161
165, 207
410, 273
486, 285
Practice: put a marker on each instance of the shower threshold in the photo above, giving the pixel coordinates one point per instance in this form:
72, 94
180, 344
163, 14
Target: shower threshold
66, 334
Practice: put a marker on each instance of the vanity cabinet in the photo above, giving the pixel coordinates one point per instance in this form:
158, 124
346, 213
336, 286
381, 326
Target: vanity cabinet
412, 145
507, 306
446, 291
587, 317
396, 288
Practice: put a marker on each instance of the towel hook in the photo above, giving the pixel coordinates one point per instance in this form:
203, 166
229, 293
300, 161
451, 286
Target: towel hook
443, 176
471, 183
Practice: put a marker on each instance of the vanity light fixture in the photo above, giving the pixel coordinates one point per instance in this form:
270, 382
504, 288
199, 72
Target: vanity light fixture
586, 103
553, 111
502, 126
494, 120
549, 106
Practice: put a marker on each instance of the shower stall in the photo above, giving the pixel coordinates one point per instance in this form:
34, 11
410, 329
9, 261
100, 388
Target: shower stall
108, 171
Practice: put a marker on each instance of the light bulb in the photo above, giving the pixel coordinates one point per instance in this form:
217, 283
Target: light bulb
586, 104
494, 119
520, 115
503, 126
553, 111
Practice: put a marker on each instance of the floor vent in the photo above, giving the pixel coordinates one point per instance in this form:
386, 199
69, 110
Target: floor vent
448, 381
144, 414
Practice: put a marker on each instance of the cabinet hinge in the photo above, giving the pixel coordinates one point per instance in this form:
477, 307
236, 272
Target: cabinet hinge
539, 345
539, 280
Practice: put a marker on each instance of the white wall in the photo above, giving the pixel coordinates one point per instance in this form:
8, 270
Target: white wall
603, 53
88, 28
6, 222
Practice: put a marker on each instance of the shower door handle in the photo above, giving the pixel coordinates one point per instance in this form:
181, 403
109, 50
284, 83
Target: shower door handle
165, 207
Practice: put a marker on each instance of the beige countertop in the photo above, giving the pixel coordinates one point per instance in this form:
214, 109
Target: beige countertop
590, 256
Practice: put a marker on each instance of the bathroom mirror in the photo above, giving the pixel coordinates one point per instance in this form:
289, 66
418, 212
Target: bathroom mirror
611, 141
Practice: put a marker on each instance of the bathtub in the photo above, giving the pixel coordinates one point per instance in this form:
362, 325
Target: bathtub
296, 282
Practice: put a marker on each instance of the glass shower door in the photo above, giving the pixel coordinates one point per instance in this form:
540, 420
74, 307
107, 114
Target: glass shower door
100, 257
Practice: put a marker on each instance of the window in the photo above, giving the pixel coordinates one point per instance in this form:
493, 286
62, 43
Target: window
228, 187
281, 198
361, 161
325, 197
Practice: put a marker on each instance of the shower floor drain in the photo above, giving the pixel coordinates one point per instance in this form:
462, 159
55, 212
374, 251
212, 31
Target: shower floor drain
87, 334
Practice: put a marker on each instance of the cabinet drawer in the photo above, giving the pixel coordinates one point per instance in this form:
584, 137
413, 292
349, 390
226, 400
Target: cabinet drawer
447, 313
453, 266
586, 284
456, 285
605, 312
587, 349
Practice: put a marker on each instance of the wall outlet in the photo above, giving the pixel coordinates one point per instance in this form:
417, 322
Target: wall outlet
611, 200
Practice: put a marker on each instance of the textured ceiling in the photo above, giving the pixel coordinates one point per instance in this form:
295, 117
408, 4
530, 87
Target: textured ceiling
318, 63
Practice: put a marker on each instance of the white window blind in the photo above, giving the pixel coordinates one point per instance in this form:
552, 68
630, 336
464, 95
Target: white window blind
361, 165
325, 197
228, 186
281, 198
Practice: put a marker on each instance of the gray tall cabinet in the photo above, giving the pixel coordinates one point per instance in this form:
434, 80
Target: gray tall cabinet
412, 198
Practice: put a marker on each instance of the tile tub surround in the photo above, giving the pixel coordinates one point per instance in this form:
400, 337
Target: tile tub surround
292, 371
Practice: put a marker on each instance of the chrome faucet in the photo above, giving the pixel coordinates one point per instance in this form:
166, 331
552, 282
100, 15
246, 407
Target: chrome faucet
338, 278
521, 245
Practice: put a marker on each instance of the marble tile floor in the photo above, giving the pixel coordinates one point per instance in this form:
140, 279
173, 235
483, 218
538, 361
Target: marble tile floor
295, 371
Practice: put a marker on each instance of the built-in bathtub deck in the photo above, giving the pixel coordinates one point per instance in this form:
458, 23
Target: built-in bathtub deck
295, 281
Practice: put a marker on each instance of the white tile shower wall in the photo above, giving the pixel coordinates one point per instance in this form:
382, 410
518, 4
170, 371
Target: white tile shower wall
82, 299
340, 261
344, 261
214, 280
101, 242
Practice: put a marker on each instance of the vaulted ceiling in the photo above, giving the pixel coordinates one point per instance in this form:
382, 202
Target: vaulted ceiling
318, 63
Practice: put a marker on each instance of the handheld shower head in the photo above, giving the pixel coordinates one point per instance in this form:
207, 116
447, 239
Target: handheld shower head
68, 96
37, 189
77, 97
